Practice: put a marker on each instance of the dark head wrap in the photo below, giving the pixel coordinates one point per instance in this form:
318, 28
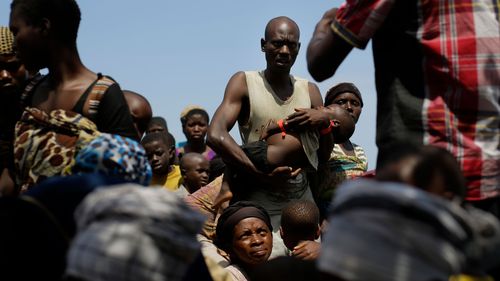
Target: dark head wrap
235, 213
340, 89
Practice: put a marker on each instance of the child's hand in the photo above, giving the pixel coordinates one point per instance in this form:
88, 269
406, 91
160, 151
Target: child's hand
307, 250
269, 129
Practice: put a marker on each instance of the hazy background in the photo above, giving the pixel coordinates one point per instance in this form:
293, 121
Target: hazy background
178, 53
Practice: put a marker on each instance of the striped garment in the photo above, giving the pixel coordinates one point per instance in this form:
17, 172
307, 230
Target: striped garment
438, 77
341, 167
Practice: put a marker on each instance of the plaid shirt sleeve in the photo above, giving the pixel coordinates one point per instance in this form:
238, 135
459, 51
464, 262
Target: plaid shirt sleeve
358, 20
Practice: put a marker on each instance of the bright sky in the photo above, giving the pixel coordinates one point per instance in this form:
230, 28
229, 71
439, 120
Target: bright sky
177, 53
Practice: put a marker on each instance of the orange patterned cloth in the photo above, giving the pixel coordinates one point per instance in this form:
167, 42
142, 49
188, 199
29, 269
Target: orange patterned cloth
45, 144
203, 201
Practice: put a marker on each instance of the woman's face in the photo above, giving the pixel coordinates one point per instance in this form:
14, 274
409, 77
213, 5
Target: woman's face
196, 128
252, 242
351, 103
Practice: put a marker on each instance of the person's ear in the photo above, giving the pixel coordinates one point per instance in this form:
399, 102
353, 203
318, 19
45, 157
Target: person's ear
262, 45
281, 232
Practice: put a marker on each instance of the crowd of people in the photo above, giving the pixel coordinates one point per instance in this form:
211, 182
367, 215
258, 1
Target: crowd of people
93, 186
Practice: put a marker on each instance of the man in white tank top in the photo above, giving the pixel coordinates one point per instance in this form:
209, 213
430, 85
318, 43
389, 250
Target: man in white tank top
253, 98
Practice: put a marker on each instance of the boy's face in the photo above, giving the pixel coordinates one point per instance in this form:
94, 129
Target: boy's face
154, 128
196, 171
158, 155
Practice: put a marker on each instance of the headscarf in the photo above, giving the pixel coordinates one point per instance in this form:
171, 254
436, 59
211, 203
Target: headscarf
390, 231
117, 156
340, 89
191, 110
235, 213
132, 233
6, 41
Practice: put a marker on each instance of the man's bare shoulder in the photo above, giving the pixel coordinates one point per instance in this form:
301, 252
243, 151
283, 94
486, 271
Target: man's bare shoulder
237, 85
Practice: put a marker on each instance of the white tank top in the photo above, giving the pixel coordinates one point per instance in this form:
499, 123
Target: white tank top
265, 105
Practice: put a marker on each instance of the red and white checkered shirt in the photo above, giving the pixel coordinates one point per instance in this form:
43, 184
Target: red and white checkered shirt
438, 77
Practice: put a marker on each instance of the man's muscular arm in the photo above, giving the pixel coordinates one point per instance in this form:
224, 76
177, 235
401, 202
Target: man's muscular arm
326, 50
229, 111
223, 121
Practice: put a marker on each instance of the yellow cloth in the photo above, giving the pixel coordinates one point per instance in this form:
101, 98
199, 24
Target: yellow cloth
171, 181
463, 277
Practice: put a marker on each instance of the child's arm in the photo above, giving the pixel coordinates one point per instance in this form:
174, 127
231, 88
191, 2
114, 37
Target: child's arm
273, 127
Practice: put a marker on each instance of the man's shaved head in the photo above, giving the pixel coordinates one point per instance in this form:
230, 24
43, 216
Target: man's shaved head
276, 22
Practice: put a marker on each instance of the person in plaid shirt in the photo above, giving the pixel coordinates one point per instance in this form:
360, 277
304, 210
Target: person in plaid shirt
437, 76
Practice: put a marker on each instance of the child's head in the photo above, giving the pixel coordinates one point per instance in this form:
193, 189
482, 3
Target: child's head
438, 172
159, 151
427, 167
140, 109
195, 170
194, 122
344, 123
299, 222
157, 124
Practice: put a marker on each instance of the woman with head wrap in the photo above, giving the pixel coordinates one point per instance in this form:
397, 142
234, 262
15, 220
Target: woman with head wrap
347, 160
244, 232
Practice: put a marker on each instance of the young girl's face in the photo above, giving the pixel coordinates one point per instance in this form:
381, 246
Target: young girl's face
196, 128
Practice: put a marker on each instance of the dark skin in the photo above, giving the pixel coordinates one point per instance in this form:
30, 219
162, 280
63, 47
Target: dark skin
195, 170
352, 104
13, 77
326, 50
252, 243
140, 109
281, 46
195, 131
69, 78
159, 154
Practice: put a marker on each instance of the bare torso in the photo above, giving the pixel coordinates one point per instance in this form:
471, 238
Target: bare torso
286, 151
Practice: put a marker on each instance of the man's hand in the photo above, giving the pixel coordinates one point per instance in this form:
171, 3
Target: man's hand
305, 118
307, 250
279, 175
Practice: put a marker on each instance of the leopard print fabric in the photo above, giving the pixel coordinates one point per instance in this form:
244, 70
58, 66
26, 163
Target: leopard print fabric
46, 144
